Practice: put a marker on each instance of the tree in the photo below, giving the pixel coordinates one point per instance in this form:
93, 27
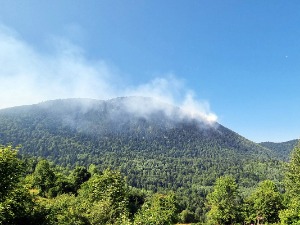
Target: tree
18, 207
105, 197
265, 201
136, 199
65, 209
93, 169
223, 202
291, 215
292, 176
160, 209
110, 184
11, 169
44, 177
16, 204
80, 175
186, 216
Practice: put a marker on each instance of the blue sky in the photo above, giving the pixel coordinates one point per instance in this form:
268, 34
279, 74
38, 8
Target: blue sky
239, 60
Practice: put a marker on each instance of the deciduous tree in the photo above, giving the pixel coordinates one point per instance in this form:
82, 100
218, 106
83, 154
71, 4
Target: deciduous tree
44, 177
11, 170
160, 209
224, 202
265, 202
291, 215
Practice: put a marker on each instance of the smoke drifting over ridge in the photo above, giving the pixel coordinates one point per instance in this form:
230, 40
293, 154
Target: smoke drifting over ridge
29, 76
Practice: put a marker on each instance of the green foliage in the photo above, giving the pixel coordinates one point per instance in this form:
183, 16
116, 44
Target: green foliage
105, 196
293, 173
101, 200
110, 184
224, 202
62, 185
265, 203
17, 206
155, 153
64, 210
136, 198
44, 177
106, 211
282, 150
160, 209
291, 215
80, 175
11, 169
93, 169
186, 216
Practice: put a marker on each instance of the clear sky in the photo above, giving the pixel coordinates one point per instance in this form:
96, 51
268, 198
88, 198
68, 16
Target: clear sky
238, 60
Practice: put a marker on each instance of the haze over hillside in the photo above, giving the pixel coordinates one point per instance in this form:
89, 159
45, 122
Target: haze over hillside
157, 146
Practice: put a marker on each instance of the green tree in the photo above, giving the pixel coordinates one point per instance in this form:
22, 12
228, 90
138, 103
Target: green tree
11, 169
292, 176
160, 209
110, 184
80, 175
105, 197
44, 177
93, 169
136, 199
265, 203
17, 206
224, 202
62, 185
291, 215
65, 210
186, 216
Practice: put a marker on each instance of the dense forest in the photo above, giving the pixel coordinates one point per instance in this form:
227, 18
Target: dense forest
40, 192
282, 150
83, 161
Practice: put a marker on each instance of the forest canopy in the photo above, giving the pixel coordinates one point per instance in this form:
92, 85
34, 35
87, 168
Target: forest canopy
36, 191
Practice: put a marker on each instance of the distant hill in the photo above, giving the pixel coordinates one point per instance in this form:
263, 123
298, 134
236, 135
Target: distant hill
155, 145
283, 149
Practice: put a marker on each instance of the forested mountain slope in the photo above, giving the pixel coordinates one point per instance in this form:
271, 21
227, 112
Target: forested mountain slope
283, 149
156, 146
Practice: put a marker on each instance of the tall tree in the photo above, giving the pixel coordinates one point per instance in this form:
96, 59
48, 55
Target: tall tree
160, 209
291, 215
65, 209
80, 175
16, 203
224, 202
292, 181
10, 170
265, 202
44, 177
105, 197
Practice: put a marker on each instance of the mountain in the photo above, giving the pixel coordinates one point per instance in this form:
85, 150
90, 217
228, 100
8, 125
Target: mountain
282, 150
157, 146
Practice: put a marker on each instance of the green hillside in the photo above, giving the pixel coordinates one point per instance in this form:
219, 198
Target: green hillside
156, 149
282, 150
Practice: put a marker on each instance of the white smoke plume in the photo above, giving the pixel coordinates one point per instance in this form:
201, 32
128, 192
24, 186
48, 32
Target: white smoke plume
29, 76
